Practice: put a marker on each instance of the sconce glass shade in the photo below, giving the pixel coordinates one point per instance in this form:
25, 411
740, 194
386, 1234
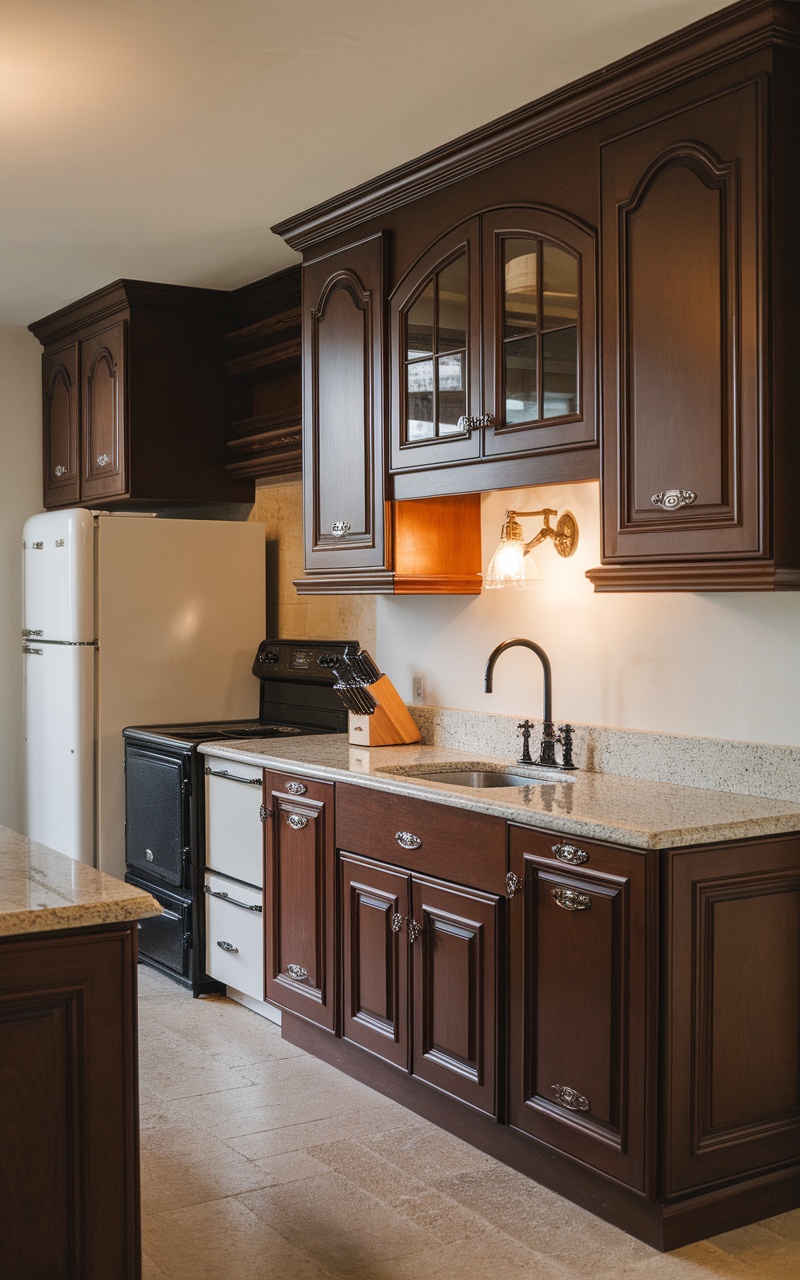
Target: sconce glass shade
510, 566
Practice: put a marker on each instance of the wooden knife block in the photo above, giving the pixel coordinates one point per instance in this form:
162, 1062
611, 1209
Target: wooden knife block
390, 723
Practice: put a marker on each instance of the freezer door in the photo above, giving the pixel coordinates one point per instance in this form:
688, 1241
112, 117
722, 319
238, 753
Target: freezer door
59, 743
58, 576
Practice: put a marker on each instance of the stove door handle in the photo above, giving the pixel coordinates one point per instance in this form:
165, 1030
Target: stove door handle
232, 777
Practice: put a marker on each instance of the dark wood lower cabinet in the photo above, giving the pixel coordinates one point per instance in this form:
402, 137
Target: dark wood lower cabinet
299, 884
69, 1162
419, 962
622, 1025
580, 984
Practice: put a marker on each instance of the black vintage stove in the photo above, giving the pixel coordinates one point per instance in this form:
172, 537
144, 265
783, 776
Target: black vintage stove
164, 794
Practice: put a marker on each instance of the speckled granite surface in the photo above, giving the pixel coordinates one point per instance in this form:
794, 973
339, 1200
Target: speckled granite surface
632, 811
41, 890
721, 764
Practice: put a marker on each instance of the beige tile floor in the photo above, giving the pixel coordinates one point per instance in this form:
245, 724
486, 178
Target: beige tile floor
260, 1162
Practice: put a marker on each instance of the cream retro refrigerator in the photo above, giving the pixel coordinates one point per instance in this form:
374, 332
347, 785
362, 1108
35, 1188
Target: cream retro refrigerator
128, 619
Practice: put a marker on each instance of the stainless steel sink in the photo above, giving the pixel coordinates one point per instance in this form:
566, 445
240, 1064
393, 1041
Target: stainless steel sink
489, 778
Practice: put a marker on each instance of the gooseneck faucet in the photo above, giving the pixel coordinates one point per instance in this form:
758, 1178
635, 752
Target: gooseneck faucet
547, 748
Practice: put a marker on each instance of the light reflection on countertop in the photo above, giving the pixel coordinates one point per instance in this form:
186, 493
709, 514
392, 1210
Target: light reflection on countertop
632, 811
42, 890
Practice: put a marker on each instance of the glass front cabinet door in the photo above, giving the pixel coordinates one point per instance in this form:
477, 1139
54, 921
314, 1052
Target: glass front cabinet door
493, 341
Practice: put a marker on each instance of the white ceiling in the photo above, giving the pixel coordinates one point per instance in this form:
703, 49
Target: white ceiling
160, 139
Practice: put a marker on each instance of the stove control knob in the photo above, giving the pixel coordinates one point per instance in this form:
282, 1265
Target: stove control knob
269, 657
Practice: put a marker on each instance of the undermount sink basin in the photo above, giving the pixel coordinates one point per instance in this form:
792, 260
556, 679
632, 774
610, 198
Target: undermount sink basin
490, 777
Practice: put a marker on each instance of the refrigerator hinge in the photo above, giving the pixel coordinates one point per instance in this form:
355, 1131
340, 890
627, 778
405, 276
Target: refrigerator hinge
186, 787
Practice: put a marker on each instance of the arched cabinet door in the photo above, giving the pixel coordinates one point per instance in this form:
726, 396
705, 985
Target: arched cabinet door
435, 340
61, 427
343, 408
685, 462
538, 331
103, 396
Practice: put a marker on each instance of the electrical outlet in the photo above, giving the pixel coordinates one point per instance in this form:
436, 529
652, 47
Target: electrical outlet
418, 686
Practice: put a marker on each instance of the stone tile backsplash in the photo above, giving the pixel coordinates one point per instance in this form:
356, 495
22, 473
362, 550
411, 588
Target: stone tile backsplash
752, 768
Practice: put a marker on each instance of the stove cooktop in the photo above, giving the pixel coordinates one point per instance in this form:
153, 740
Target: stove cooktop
226, 729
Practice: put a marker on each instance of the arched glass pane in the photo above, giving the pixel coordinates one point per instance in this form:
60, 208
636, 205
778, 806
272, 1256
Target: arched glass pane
560, 372
452, 317
520, 309
559, 287
522, 400
419, 325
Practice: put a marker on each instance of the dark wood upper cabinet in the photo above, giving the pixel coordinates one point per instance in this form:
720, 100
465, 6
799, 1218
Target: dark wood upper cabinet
61, 424
137, 398
493, 348
539, 343
436, 366
344, 515
686, 471
355, 539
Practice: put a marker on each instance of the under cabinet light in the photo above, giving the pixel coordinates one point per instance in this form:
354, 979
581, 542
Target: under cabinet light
512, 562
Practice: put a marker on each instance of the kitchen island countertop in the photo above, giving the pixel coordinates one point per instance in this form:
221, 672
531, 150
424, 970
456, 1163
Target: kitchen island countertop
42, 891
599, 806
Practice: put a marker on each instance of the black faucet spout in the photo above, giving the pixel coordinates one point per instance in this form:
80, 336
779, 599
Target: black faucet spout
543, 658
547, 749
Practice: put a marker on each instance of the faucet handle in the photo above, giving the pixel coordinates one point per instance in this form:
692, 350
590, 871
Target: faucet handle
527, 729
565, 739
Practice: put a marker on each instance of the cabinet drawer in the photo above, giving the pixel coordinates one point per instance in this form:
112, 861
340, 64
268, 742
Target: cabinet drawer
234, 935
450, 843
233, 819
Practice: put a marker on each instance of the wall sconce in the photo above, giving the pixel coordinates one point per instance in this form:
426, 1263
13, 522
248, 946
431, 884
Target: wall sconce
512, 561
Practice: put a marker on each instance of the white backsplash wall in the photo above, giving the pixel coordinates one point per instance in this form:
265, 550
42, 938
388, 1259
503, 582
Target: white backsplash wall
712, 665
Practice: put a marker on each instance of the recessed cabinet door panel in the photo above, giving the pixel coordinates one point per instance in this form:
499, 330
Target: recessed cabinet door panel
298, 897
343, 408
684, 468
375, 907
733, 1011
453, 938
61, 427
435, 340
103, 399
577, 1003
539, 329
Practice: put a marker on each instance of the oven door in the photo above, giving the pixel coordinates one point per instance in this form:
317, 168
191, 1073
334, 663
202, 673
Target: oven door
165, 941
157, 830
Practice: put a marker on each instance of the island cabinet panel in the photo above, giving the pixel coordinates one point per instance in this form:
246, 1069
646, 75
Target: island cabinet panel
68, 1107
685, 470
61, 426
578, 997
732, 1090
299, 889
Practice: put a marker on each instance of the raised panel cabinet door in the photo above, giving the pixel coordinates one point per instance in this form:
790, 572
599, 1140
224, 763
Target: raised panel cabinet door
453, 937
374, 930
298, 899
685, 464
61, 426
103, 400
578, 992
539, 331
343, 396
732, 1078
69, 1156
436, 356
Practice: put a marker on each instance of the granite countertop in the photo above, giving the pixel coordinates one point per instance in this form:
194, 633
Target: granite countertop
41, 891
599, 806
